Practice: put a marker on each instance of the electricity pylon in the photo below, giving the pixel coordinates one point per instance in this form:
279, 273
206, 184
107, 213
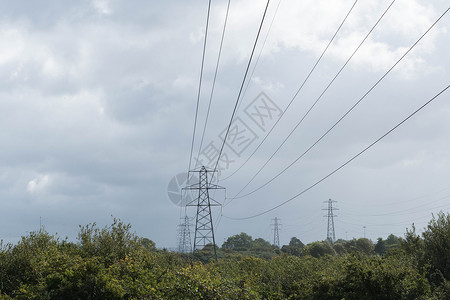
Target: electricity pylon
184, 236
331, 236
276, 232
204, 230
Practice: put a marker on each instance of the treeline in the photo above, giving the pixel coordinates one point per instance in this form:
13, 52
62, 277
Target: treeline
244, 244
113, 263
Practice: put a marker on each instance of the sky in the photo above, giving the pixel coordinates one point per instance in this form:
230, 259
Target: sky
98, 101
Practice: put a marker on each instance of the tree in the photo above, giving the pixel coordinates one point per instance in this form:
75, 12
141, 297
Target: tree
431, 254
148, 244
340, 248
365, 245
318, 249
113, 263
361, 245
207, 253
414, 246
380, 247
261, 245
238, 242
295, 242
294, 248
393, 241
437, 244
112, 243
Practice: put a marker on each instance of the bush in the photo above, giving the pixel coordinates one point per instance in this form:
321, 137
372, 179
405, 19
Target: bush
113, 263
437, 246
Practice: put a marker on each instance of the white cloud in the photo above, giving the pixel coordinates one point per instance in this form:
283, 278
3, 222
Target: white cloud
103, 6
182, 83
267, 86
15, 46
308, 26
38, 184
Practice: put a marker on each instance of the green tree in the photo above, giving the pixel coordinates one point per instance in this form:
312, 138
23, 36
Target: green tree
365, 246
414, 246
380, 247
111, 243
113, 263
318, 249
437, 244
370, 277
148, 244
340, 248
238, 242
393, 241
294, 248
260, 244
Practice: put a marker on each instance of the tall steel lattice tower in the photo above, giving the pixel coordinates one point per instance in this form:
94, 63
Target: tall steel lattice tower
204, 231
276, 232
331, 236
184, 236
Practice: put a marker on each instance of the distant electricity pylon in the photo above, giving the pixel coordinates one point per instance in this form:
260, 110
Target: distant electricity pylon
276, 232
204, 231
184, 236
331, 236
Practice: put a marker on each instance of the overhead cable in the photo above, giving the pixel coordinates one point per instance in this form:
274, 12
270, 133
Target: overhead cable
348, 161
343, 116
259, 55
199, 85
242, 86
295, 95
215, 77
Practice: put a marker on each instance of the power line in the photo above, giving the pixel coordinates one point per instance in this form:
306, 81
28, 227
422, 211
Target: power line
311, 218
338, 121
259, 56
348, 161
404, 211
295, 95
242, 86
404, 222
391, 203
215, 77
199, 86
392, 224
313, 105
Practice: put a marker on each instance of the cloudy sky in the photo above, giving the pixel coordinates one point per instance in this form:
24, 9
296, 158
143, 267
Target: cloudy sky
97, 104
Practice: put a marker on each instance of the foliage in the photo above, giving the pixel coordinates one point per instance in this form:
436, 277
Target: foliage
238, 242
380, 247
431, 252
244, 244
437, 245
294, 248
362, 246
318, 249
392, 242
113, 263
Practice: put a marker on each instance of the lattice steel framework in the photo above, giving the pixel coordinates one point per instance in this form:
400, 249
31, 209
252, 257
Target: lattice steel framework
331, 235
184, 236
204, 230
276, 232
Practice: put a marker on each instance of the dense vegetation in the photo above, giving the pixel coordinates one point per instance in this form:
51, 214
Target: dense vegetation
113, 263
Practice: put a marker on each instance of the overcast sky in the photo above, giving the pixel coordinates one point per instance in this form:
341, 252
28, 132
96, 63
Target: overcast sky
97, 104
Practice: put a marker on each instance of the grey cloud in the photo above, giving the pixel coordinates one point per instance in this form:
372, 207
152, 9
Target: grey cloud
96, 116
